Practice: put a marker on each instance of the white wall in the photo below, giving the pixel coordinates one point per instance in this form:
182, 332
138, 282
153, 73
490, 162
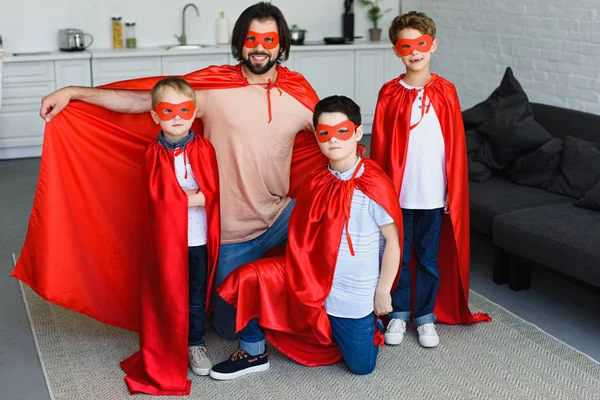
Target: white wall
32, 25
553, 47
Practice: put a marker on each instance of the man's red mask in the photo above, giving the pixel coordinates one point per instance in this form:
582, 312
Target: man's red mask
168, 111
343, 131
269, 40
406, 46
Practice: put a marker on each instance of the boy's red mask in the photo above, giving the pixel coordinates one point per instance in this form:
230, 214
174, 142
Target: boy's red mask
168, 111
269, 40
343, 131
406, 46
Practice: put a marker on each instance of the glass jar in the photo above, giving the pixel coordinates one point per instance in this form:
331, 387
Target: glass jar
117, 33
130, 40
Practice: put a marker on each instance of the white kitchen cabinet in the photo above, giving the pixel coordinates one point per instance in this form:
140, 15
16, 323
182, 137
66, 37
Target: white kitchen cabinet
72, 73
393, 66
357, 71
21, 128
107, 70
329, 72
181, 65
368, 78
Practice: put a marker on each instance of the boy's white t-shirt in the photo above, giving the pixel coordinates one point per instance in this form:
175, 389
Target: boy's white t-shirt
355, 278
424, 185
197, 225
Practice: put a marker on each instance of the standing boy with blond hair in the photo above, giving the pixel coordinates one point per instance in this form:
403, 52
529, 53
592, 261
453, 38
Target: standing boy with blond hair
418, 139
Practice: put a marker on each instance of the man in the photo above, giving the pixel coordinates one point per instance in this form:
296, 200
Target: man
257, 115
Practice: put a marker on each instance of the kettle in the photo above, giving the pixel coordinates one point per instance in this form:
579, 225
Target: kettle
72, 39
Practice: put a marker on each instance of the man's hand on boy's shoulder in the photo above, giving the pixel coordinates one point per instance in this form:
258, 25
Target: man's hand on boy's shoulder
383, 303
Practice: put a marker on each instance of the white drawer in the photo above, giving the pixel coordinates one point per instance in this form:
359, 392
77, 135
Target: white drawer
114, 69
31, 71
21, 129
18, 97
72, 72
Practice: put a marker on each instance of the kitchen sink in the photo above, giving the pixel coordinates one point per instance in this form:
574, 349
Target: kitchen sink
189, 46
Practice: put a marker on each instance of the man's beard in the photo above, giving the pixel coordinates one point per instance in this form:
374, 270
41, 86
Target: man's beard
259, 69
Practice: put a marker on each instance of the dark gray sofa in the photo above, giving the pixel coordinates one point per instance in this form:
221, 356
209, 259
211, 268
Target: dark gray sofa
531, 225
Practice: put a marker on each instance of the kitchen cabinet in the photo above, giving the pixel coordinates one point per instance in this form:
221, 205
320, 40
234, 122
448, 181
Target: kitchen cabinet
181, 65
357, 71
329, 73
24, 83
107, 70
72, 73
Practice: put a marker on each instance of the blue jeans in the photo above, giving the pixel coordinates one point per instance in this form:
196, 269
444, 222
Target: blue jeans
234, 255
422, 229
354, 337
198, 264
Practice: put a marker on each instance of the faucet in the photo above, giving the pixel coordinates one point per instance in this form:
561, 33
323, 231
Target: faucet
183, 39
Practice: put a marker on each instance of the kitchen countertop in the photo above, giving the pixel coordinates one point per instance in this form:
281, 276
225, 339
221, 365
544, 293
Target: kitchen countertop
162, 51
46, 56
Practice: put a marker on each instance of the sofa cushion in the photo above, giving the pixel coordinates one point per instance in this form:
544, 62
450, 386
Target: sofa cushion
560, 236
579, 168
561, 122
591, 200
498, 195
478, 172
539, 167
506, 123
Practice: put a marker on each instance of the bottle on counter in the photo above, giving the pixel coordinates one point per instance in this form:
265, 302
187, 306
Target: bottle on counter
222, 29
117, 33
130, 40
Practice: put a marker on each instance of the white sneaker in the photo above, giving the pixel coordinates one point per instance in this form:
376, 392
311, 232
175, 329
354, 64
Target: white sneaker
394, 334
428, 337
198, 360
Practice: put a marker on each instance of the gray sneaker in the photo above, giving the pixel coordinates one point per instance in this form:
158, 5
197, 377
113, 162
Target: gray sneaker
428, 337
395, 331
198, 359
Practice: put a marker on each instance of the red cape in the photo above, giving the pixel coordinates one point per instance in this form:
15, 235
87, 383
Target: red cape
287, 294
388, 148
160, 367
83, 249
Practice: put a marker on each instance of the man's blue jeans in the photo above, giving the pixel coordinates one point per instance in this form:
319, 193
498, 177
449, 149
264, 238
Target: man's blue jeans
236, 254
354, 336
422, 229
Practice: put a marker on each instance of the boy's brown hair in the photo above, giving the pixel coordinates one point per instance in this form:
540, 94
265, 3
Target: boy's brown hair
178, 84
413, 19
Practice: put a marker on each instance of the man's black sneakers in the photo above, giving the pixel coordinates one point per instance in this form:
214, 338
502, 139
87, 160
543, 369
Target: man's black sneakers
240, 363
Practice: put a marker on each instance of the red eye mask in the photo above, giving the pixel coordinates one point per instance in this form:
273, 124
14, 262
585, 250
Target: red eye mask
269, 40
168, 111
343, 131
406, 46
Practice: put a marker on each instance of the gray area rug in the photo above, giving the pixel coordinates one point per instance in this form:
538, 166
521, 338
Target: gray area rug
505, 359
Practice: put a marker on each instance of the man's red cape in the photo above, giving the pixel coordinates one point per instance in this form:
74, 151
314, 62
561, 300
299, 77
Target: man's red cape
389, 144
287, 293
84, 249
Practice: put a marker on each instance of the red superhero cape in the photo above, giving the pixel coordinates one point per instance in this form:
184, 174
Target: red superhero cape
389, 144
287, 294
82, 246
160, 367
